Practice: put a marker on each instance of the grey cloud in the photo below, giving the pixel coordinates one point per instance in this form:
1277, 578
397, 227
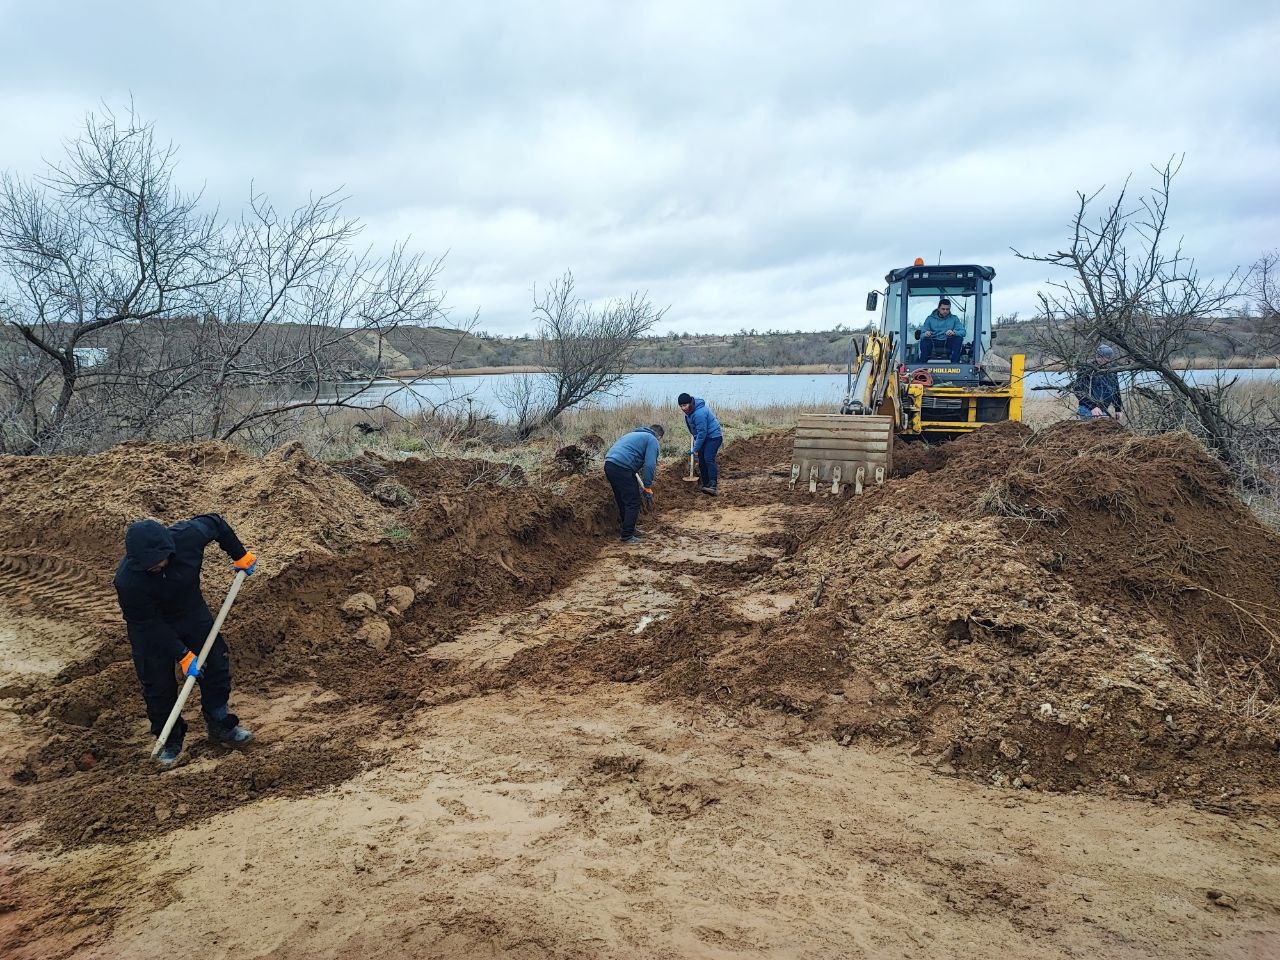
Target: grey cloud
753, 164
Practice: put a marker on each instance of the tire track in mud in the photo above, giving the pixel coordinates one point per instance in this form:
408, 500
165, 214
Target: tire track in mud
40, 583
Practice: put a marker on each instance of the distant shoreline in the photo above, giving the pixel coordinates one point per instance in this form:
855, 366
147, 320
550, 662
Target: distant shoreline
809, 368
1197, 363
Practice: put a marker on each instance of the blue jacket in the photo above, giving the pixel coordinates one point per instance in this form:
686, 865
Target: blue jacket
165, 611
938, 327
1096, 386
636, 451
702, 424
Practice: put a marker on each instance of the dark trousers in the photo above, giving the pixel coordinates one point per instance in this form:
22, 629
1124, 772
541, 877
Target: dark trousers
626, 492
158, 675
953, 347
707, 461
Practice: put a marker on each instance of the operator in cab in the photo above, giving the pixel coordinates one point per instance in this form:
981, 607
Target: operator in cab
942, 333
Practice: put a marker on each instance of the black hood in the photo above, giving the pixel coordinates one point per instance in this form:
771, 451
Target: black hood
146, 543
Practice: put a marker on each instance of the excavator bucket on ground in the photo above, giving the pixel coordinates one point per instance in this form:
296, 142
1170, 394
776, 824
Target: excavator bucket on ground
834, 450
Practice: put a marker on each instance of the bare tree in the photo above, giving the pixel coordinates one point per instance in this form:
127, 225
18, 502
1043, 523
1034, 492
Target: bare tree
523, 397
128, 311
104, 239
1264, 292
586, 349
1129, 285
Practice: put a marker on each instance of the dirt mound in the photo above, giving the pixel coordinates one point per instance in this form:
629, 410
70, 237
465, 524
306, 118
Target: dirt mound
399, 482
762, 450
1076, 608
975, 454
282, 505
1079, 605
741, 457
574, 459
458, 553
468, 539
1156, 520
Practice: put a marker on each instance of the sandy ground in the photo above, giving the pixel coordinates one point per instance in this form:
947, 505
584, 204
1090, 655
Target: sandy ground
533, 823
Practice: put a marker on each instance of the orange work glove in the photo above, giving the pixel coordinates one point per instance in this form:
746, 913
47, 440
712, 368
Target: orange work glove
188, 665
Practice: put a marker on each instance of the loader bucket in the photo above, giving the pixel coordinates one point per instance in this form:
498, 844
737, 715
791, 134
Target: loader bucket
835, 450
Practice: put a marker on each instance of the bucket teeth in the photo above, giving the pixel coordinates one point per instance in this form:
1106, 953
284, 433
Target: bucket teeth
839, 451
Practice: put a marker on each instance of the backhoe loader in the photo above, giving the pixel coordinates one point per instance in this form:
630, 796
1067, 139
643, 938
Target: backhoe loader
895, 389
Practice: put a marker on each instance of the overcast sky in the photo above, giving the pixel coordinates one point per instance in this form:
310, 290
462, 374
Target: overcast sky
750, 164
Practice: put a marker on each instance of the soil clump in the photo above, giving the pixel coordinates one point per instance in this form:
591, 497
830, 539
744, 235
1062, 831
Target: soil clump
501, 689
1080, 608
282, 505
470, 538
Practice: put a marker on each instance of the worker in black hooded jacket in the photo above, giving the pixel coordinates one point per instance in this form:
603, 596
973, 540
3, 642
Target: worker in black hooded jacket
158, 585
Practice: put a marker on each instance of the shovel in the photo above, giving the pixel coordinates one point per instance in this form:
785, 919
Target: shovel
646, 500
204, 652
692, 477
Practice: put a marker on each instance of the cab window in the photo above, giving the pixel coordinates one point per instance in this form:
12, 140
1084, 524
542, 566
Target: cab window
921, 303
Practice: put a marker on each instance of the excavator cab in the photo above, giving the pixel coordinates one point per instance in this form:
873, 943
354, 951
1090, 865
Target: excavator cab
901, 386
915, 293
950, 389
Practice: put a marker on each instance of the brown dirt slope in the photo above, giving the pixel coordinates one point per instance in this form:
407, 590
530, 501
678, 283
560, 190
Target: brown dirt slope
282, 505
1078, 608
466, 542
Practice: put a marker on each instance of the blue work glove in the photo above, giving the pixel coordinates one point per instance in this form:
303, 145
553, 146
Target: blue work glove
188, 665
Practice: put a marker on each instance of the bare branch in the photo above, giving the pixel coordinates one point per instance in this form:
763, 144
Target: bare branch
127, 311
1128, 285
586, 350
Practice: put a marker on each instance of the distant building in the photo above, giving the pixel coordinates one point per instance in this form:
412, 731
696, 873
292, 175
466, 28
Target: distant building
90, 356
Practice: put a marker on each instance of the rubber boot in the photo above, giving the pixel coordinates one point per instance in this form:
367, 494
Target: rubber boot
228, 731
170, 753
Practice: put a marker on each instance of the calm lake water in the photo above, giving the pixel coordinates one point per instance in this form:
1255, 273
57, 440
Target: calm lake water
819, 390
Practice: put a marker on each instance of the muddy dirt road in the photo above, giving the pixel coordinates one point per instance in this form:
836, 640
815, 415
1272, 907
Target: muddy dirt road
532, 791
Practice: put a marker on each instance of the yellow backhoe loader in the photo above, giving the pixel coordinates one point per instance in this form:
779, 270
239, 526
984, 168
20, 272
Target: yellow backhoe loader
909, 379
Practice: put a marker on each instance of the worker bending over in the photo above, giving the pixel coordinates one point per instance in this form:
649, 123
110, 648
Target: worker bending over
634, 453
158, 585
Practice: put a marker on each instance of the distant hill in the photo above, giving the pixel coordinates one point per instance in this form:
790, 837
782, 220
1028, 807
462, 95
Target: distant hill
424, 348
430, 347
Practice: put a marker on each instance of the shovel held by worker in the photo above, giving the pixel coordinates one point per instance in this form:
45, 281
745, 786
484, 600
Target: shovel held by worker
692, 477
204, 653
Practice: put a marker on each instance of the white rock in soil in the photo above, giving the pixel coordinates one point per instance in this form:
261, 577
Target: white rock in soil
400, 599
376, 633
359, 605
